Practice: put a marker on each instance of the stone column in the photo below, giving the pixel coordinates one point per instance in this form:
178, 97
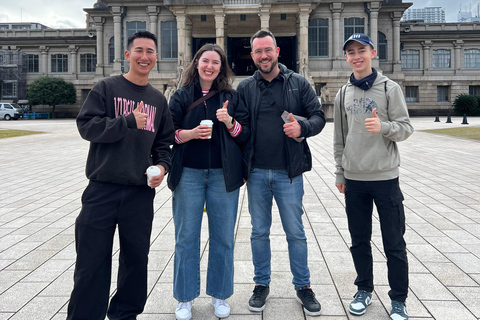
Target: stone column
188, 40
99, 71
44, 60
219, 26
457, 65
73, 59
117, 34
426, 56
152, 12
303, 15
397, 64
264, 14
337, 42
374, 36
181, 25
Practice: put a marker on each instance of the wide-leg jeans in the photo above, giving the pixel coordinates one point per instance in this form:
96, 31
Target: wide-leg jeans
263, 185
199, 187
359, 199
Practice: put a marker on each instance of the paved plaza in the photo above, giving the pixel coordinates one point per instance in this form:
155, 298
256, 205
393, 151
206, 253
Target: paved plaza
42, 180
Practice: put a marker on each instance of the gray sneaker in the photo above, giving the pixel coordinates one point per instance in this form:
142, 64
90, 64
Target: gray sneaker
398, 311
362, 299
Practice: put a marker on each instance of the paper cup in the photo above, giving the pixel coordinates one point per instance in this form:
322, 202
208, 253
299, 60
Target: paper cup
152, 171
208, 123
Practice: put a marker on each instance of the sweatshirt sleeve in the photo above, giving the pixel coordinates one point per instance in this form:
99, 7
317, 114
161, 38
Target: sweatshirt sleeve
398, 127
95, 125
340, 127
161, 151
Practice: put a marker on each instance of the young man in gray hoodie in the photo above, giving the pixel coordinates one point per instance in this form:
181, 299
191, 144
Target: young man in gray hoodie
370, 117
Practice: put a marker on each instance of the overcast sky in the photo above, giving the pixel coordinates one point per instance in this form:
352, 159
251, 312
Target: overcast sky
70, 14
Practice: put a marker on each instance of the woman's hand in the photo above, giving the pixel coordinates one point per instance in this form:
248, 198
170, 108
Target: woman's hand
223, 116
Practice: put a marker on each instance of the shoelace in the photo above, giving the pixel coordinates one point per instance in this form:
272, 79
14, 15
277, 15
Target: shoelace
309, 295
183, 305
257, 292
361, 296
397, 307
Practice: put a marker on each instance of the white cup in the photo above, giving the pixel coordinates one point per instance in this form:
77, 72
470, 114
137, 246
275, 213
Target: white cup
208, 123
152, 171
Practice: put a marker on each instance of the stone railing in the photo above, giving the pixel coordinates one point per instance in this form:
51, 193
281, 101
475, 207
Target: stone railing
241, 2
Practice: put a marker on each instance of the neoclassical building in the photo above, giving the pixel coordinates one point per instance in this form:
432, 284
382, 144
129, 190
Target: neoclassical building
432, 62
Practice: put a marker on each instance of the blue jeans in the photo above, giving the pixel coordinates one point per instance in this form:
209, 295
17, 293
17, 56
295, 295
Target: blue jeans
262, 186
196, 188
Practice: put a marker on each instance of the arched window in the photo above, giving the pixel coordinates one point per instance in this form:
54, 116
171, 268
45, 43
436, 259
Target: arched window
382, 46
111, 50
472, 58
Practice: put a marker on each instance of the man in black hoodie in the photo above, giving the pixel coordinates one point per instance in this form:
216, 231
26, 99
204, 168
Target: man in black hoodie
130, 128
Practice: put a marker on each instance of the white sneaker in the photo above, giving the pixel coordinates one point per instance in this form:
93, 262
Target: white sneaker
184, 310
222, 309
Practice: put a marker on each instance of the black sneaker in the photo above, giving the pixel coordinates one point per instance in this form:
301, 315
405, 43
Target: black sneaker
310, 304
259, 297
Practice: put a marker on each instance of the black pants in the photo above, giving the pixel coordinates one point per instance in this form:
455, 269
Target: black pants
359, 198
106, 206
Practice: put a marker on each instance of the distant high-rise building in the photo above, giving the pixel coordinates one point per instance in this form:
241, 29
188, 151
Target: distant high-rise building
427, 14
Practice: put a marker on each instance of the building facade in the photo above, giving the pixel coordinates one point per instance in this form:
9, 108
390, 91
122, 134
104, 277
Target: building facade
432, 62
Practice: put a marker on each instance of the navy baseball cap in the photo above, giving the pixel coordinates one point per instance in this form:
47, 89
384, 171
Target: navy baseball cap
360, 38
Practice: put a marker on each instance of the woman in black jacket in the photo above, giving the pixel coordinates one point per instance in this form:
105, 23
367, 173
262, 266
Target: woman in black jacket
206, 170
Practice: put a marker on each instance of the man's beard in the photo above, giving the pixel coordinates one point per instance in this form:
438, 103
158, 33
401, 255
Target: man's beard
274, 64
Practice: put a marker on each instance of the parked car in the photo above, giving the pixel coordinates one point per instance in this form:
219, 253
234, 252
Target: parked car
10, 111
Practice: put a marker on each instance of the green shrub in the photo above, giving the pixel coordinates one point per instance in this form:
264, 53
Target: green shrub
466, 104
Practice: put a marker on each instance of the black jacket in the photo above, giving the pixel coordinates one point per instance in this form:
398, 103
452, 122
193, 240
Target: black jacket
230, 147
300, 99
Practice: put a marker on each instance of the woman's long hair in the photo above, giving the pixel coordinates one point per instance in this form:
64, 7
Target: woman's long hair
225, 77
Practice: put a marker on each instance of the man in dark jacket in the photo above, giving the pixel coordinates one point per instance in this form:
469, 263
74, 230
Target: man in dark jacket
275, 158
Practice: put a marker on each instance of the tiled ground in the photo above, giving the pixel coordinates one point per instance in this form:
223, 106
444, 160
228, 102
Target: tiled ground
42, 179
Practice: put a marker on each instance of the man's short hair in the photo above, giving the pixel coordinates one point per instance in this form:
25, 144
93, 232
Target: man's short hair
263, 34
141, 34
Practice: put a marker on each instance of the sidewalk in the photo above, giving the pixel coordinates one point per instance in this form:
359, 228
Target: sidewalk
43, 179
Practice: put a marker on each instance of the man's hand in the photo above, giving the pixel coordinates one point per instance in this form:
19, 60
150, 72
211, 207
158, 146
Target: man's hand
157, 180
223, 116
340, 187
140, 118
292, 129
373, 125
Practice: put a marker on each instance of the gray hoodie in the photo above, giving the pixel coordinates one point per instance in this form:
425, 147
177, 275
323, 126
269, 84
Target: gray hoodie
359, 154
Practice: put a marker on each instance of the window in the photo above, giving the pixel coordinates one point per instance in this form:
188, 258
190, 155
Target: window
203, 18
474, 90
9, 89
135, 26
442, 93
32, 63
243, 17
353, 25
283, 16
410, 59
411, 94
169, 40
382, 46
441, 59
88, 62
59, 63
472, 58
318, 38
111, 50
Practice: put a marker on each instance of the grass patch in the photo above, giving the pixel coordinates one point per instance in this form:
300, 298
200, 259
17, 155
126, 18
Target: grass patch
15, 133
472, 133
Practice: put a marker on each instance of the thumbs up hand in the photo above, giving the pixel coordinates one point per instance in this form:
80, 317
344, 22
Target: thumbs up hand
140, 118
292, 129
373, 125
223, 116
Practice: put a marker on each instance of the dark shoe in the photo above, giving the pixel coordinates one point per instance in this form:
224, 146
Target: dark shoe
398, 311
361, 301
259, 297
310, 304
